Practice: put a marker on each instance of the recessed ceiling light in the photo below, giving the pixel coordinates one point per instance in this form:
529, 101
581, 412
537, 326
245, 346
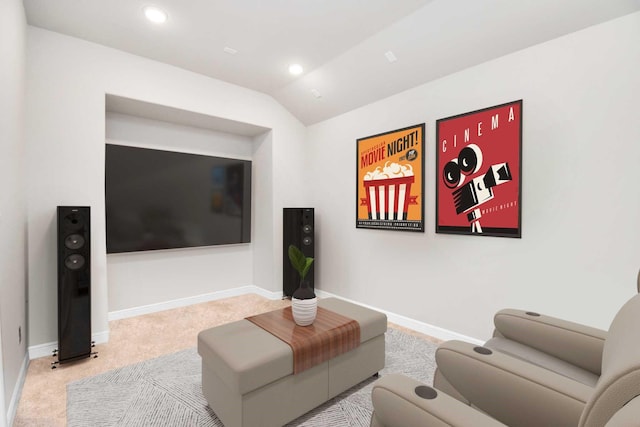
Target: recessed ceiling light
316, 93
155, 14
295, 69
230, 50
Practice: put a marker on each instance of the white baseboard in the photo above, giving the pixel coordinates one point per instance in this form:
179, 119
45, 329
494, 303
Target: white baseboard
267, 294
424, 328
17, 391
183, 302
46, 349
415, 325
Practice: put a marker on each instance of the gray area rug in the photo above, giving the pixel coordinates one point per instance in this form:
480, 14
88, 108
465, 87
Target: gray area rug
167, 391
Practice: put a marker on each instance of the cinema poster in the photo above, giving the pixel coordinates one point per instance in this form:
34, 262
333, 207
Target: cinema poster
390, 180
478, 166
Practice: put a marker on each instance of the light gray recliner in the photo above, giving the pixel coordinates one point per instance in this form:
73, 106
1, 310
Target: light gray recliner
536, 371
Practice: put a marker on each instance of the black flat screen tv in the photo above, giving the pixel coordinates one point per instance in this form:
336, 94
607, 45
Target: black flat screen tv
159, 199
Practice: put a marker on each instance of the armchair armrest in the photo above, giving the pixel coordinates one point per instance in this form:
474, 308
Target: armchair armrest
574, 343
396, 403
509, 389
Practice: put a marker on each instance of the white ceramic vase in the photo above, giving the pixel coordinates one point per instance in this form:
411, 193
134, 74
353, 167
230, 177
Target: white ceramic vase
304, 310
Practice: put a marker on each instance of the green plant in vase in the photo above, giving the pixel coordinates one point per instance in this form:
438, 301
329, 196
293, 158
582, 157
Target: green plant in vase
304, 304
301, 264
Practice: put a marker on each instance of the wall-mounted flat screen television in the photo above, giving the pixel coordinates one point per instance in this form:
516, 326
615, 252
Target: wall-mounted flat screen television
159, 199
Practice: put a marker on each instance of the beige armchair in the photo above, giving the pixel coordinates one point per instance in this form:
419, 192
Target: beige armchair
536, 371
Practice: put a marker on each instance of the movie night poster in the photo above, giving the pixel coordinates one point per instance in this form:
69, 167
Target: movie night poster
478, 161
390, 180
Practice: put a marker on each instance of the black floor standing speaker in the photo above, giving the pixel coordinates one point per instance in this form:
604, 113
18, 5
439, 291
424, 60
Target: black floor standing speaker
74, 283
298, 230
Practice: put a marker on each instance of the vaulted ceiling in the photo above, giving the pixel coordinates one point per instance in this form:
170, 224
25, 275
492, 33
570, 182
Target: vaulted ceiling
343, 45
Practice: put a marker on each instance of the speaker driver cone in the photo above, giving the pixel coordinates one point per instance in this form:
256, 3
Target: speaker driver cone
307, 229
74, 262
74, 241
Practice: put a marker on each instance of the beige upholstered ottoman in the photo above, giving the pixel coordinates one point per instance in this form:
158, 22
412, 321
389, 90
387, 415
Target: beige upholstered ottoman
247, 373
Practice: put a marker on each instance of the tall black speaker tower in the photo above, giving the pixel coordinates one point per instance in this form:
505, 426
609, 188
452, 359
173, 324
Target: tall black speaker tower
298, 229
74, 283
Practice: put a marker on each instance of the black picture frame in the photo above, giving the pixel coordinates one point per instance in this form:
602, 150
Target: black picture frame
479, 172
390, 180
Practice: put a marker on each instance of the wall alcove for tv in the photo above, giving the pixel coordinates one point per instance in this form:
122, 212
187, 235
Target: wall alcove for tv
175, 179
148, 277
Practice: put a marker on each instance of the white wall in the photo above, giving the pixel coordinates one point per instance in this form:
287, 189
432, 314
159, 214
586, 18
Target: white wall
67, 80
579, 253
152, 277
13, 244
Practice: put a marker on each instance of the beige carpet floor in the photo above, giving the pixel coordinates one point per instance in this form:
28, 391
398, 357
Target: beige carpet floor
43, 401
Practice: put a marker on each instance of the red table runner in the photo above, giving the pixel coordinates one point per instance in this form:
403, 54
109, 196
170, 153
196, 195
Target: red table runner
330, 335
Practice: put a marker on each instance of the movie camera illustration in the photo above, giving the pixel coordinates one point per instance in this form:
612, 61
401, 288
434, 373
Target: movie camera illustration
467, 197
